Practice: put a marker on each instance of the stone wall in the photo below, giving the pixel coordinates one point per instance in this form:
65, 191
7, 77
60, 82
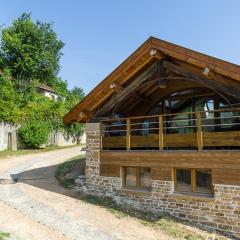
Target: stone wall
94, 182
221, 212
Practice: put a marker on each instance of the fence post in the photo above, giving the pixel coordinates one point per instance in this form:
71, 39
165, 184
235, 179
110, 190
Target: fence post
199, 131
160, 133
128, 134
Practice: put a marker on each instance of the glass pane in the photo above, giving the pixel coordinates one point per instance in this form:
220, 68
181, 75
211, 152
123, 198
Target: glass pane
145, 177
130, 177
204, 181
183, 180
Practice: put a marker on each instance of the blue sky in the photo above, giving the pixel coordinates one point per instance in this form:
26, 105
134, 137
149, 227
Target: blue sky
100, 34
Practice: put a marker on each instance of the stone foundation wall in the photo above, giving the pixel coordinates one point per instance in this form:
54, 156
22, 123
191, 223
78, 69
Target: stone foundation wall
221, 213
94, 182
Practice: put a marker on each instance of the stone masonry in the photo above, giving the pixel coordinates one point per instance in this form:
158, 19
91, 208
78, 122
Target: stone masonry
220, 213
94, 182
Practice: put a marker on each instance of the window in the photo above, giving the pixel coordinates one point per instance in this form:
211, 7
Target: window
193, 180
137, 177
203, 181
183, 182
130, 173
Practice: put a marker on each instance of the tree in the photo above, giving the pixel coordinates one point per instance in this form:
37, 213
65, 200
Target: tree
31, 51
29, 54
9, 110
74, 96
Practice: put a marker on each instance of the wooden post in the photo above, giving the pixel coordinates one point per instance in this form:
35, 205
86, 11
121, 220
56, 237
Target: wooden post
174, 177
199, 132
128, 134
193, 180
217, 114
101, 135
161, 133
123, 175
138, 177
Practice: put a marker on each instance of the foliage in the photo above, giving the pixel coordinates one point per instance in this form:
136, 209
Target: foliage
30, 54
34, 133
4, 235
31, 50
75, 130
9, 110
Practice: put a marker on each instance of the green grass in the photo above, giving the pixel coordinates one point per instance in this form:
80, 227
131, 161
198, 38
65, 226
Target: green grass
4, 235
166, 224
65, 168
8, 153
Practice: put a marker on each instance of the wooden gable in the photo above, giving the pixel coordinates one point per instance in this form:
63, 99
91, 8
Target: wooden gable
129, 75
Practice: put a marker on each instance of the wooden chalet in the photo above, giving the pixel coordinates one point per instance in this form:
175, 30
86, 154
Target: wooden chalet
163, 134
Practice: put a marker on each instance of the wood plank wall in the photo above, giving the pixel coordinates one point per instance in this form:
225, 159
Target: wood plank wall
207, 139
225, 165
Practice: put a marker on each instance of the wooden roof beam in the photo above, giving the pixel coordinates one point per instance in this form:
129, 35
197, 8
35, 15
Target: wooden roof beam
128, 90
212, 84
161, 93
83, 115
116, 87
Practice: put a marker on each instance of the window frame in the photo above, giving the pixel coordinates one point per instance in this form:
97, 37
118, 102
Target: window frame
193, 181
138, 178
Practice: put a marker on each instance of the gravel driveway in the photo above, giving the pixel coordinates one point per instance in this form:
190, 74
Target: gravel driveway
37, 208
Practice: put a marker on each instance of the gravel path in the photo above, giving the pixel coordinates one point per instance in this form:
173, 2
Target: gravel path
37, 208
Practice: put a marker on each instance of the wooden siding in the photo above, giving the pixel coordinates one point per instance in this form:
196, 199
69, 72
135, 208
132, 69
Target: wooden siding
226, 176
109, 170
144, 141
225, 165
114, 142
210, 139
180, 140
164, 174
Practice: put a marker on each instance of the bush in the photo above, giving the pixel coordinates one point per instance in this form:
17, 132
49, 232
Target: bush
34, 133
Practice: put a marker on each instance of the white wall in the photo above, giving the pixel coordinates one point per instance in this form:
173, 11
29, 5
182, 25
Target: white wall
61, 139
50, 95
5, 129
55, 139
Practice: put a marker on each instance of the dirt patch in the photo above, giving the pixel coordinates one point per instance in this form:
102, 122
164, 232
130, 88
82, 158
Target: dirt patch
68, 172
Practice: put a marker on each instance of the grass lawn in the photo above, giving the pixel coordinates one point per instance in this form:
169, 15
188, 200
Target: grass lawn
4, 235
8, 153
75, 165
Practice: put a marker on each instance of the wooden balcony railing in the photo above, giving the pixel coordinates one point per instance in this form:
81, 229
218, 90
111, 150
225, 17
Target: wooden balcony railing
188, 130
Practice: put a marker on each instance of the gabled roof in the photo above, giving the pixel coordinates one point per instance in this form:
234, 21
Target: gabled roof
135, 62
45, 87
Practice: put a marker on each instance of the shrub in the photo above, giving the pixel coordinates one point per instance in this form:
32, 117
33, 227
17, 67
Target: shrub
34, 133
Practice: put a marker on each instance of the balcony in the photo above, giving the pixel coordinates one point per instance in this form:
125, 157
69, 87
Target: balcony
205, 130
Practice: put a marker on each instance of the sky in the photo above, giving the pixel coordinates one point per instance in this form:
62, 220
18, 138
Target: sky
100, 34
